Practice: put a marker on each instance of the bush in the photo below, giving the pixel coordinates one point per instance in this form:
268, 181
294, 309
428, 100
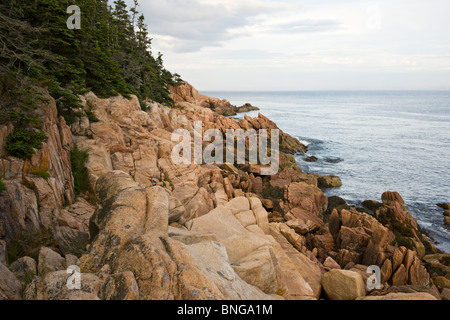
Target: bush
21, 143
41, 173
29, 244
80, 174
91, 116
67, 103
2, 185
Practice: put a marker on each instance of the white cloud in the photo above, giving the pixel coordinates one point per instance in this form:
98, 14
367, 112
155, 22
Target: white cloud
240, 44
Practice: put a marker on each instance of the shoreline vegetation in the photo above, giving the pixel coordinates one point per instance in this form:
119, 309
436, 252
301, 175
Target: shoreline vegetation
88, 184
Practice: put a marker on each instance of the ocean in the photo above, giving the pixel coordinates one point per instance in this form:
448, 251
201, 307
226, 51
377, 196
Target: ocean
375, 141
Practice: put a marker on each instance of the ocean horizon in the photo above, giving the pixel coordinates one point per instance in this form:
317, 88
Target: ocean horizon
374, 140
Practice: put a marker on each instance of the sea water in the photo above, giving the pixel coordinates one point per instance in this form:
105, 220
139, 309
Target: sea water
375, 141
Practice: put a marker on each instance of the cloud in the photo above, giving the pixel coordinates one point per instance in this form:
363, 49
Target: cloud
190, 25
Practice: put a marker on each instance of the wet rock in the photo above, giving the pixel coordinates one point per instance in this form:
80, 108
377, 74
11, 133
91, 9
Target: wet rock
311, 159
445, 206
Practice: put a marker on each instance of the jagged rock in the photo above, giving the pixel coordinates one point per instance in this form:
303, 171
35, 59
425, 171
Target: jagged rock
343, 285
334, 224
246, 108
394, 208
447, 221
54, 286
438, 264
185, 93
212, 259
298, 226
330, 264
311, 159
18, 210
441, 282
335, 202
244, 248
445, 294
10, 286
49, 261
372, 205
71, 260
400, 276
301, 274
122, 286
70, 241
306, 197
3, 254
126, 212
415, 289
24, 268
386, 271
445, 206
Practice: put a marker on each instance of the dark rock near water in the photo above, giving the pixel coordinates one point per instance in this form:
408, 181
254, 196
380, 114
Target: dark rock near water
335, 202
372, 205
311, 159
445, 206
330, 181
246, 108
333, 160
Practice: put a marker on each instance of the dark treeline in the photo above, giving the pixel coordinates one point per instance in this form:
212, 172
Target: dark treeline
110, 55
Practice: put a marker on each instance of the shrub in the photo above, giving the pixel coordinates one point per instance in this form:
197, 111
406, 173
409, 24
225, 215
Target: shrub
41, 173
21, 143
80, 174
67, 103
29, 243
2, 185
91, 116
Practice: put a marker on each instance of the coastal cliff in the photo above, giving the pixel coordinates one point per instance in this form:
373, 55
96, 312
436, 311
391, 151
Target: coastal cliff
146, 228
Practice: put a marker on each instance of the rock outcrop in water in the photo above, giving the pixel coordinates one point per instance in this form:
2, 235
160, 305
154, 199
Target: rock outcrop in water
155, 230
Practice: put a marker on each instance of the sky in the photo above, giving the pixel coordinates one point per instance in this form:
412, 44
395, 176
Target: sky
268, 45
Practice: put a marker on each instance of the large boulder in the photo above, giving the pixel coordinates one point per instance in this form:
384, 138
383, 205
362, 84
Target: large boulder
10, 286
343, 285
49, 261
306, 197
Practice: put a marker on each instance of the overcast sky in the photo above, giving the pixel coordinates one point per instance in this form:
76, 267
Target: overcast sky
304, 44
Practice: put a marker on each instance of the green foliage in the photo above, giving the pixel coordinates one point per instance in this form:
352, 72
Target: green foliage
90, 113
2, 185
21, 143
110, 54
41, 173
29, 244
91, 116
67, 103
80, 174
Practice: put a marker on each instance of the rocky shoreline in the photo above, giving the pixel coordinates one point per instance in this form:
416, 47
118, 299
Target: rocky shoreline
152, 230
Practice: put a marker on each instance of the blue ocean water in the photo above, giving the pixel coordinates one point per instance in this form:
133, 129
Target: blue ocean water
374, 141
